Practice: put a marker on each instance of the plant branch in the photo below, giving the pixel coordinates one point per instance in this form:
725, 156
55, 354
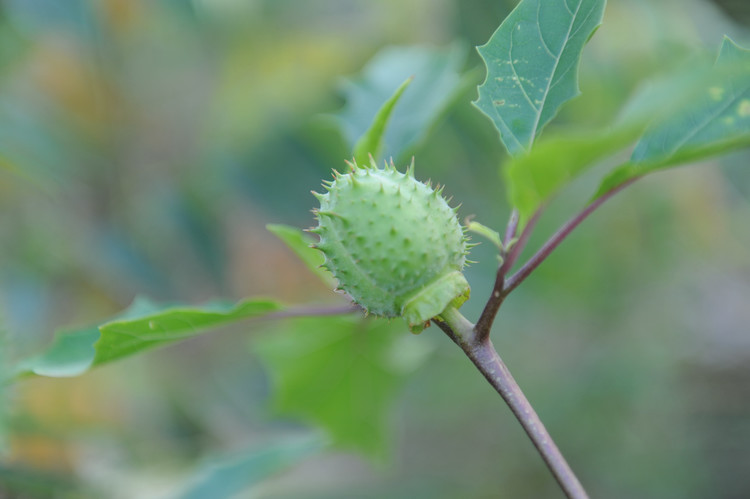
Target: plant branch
447, 330
484, 356
484, 324
312, 311
511, 228
558, 237
517, 248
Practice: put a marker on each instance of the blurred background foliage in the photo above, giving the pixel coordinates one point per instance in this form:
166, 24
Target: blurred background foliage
144, 145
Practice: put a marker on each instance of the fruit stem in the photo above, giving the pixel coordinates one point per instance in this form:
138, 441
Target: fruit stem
482, 353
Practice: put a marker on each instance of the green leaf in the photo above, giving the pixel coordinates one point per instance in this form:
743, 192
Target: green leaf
341, 373
436, 83
492, 235
721, 116
371, 143
533, 178
532, 66
227, 476
70, 354
300, 243
142, 326
669, 92
146, 325
717, 121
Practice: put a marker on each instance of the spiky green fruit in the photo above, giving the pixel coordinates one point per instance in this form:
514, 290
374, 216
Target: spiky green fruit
393, 243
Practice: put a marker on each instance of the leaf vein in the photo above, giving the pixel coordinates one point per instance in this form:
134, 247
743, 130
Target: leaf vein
545, 93
561, 75
541, 34
583, 23
706, 122
510, 132
516, 78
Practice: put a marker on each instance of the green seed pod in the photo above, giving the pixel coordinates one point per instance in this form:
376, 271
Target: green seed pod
393, 243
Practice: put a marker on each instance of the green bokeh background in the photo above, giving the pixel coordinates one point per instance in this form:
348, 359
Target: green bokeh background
145, 144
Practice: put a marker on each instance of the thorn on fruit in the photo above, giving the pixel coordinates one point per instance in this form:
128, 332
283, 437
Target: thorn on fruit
394, 244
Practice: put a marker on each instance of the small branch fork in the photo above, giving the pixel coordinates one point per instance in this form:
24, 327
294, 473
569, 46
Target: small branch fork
474, 339
510, 253
512, 249
558, 237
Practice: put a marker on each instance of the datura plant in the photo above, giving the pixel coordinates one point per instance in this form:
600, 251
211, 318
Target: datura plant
396, 247
393, 243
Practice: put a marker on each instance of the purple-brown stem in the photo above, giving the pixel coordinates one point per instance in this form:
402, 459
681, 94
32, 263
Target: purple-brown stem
553, 242
511, 228
475, 342
484, 356
484, 324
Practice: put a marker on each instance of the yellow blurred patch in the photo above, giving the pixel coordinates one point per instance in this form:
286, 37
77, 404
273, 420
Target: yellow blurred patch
67, 76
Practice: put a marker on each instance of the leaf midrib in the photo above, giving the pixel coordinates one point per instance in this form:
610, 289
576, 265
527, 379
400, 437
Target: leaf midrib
538, 116
708, 120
